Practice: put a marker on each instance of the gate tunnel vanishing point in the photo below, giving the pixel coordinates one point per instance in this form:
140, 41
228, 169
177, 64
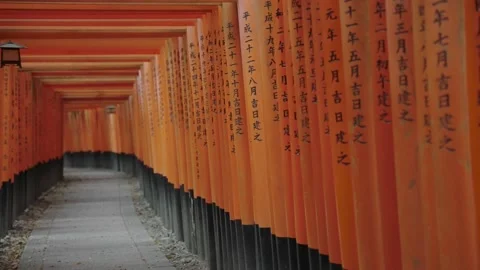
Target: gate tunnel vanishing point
268, 134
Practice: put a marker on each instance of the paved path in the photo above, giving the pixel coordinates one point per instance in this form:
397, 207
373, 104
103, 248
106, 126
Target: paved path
92, 226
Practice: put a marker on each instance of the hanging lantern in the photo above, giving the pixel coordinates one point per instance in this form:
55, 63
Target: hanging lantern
110, 109
11, 54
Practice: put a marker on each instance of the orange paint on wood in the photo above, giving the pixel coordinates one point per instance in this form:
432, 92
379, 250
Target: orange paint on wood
292, 129
360, 115
404, 103
472, 40
424, 137
340, 134
238, 98
179, 127
82, 36
59, 60
324, 131
454, 193
269, 97
4, 123
90, 73
86, 50
306, 219
384, 174
281, 77
186, 113
91, 85
251, 24
207, 63
161, 5
225, 118
99, 23
220, 112
201, 164
313, 87
205, 138
77, 14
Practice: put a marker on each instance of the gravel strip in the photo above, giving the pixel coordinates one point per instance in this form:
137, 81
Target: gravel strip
13, 244
175, 251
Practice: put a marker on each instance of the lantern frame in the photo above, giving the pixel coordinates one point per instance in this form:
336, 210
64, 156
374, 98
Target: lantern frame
7, 47
111, 109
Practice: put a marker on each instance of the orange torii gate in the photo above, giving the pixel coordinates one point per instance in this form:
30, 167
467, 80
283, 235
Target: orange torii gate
31, 142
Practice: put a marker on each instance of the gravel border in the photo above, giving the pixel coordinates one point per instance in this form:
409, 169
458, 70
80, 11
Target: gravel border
175, 251
13, 244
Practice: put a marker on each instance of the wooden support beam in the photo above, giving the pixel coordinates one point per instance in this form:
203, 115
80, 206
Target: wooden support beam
118, 5
97, 22
91, 50
56, 60
91, 85
78, 66
91, 43
77, 14
89, 73
145, 57
99, 100
58, 81
59, 35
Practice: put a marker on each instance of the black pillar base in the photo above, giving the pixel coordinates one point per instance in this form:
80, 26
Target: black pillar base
19, 193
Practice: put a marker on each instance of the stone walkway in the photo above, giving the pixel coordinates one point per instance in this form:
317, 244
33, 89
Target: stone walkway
92, 226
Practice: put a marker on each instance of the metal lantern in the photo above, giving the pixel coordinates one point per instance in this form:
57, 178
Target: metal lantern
110, 109
11, 54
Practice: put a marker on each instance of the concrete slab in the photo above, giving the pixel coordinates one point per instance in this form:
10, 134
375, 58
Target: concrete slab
92, 226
